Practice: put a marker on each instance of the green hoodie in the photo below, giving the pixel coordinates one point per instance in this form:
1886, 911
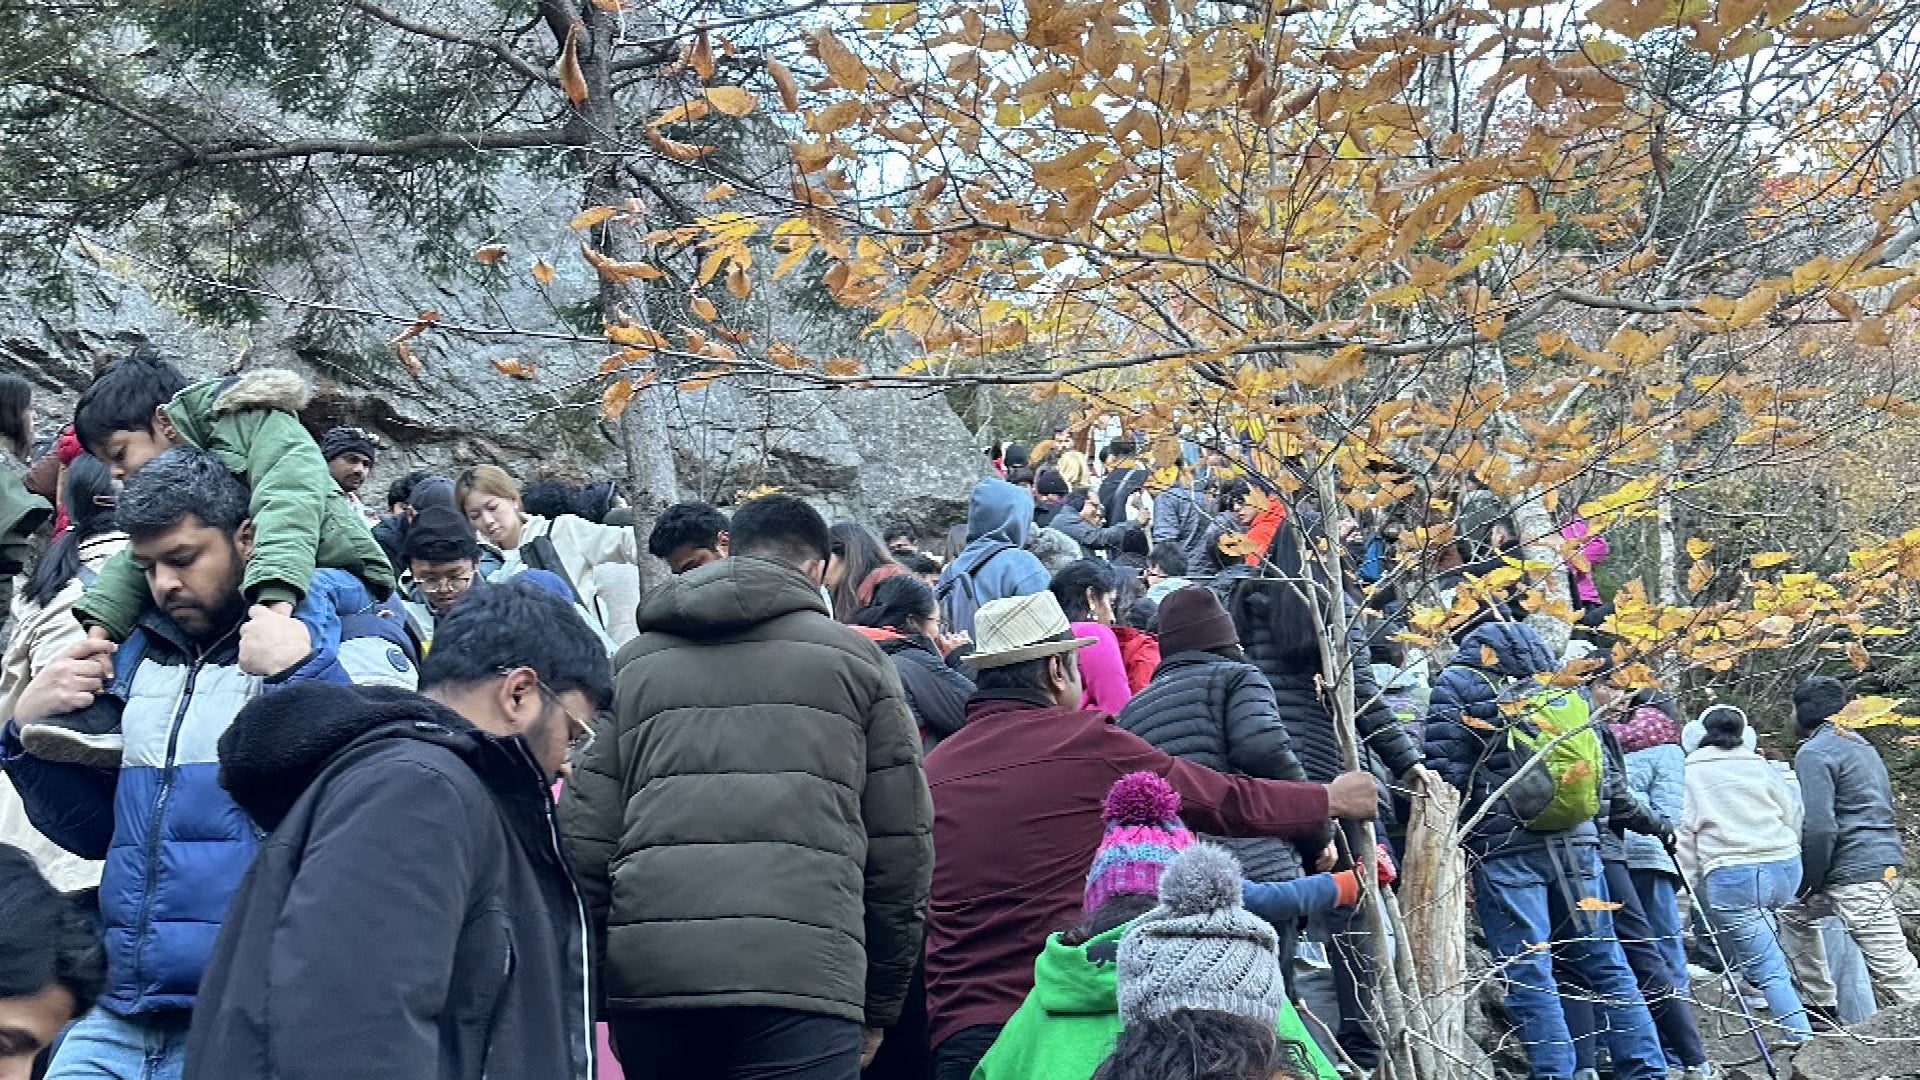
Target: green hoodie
1067, 1025
251, 423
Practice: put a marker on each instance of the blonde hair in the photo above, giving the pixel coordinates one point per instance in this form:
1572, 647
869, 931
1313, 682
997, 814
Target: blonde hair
487, 480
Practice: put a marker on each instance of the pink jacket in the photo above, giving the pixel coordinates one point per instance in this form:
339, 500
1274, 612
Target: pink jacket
1102, 669
1593, 548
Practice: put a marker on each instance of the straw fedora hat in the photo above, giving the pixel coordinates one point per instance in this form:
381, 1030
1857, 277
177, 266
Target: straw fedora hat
1020, 628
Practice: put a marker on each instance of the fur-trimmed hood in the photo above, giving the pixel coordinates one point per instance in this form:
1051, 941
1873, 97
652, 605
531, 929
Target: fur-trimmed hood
262, 388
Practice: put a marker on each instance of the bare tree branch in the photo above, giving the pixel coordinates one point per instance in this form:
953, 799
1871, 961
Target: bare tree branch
493, 45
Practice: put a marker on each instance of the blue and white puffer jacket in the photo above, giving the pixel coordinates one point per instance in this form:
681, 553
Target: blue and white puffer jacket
174, 842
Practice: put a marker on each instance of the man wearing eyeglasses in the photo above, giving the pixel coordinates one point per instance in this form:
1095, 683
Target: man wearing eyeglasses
411, 915
443, 564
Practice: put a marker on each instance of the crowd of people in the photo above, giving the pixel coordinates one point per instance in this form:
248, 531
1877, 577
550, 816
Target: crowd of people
297, 787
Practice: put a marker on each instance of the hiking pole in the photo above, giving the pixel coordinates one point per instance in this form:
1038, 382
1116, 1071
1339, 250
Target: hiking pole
1726, 969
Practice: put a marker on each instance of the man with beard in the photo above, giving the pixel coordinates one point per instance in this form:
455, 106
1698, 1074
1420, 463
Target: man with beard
350, 454
174, 842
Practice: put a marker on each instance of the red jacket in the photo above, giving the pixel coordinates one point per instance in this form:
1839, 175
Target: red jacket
1016, 801
1140, 651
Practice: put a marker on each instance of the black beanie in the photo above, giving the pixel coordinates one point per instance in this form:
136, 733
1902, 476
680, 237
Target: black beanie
343, 440
1048, 482
1817, 700
440, 533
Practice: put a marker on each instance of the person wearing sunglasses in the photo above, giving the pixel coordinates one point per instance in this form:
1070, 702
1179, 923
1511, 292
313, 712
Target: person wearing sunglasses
411, 915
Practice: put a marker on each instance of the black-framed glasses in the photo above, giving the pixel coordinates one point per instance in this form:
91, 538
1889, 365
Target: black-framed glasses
579, 732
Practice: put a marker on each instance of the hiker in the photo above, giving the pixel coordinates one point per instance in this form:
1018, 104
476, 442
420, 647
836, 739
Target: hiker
44, 628
903, 620
412, 878
598, 561
1739, 846
1207, 704
1850, 854
993, 564
350, 453
1085, 590
756, 899
179, 843
51, 965
859, 562
688, 536
1535, 848
1017, 796
1066, 1026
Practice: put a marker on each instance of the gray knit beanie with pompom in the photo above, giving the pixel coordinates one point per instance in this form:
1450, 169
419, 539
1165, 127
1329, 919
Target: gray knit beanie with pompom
1200, 949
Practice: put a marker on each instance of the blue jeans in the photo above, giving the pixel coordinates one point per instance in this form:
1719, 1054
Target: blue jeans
1741, 902
1532, 898
1659, 900
105, 1046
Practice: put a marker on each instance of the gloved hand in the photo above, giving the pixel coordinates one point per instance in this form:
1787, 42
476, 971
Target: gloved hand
1384, 868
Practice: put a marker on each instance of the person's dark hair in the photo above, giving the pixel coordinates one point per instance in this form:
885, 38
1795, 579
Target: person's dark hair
16, 401
179, 483
1029, 676
486, 634
1279, 613
1649, 695
45, 939
547, 498
899, 603
1169, 560
1120, 448
1234, 492
1725, 724
1118, 910
1199, 1044
861, 550
439, 533
124, 397
1077, 498
1071, 584
780, 528
88, 497
918, 562
401, 490
1134, 542
1017, 456
897, 529
1019, 475
1129, 588
1048, 481
687, 524
1144, 614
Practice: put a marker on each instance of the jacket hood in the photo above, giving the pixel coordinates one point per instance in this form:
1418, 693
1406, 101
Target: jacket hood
281, 742
728, 597
1645, 727
1515, 650
999, 511
1067, 982
195, 409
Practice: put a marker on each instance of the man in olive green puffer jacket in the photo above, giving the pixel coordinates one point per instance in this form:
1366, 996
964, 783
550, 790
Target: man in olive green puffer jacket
752, 828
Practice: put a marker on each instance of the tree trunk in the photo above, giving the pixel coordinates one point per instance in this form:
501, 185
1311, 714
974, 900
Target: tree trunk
1433, 893
1667, 568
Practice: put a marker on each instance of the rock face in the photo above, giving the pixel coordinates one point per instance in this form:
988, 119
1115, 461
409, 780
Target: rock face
864, 454
1888, 1045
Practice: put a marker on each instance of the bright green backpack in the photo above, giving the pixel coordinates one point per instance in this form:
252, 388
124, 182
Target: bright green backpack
1565, 789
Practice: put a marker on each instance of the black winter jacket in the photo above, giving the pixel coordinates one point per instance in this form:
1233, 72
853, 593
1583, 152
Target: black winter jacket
1622, 810
936, 692
410, 916
1309, 720
1467, 742
1220, 713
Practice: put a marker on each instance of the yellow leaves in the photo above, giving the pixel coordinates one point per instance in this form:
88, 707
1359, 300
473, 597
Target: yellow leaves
1873, 332
642, 338
1594, 903
573, 82
1698, 548
1238, 546
1058, 174
843, 367
737, 282
700, 56
731, 100
488, 254
1872, 711
542, 271
784, 82
615, 399
1732, 314
835, 117
704, 308
614, 270
1699, 576
517, 368
588, 218
1767, 559
1635, 498
843, 67
811, 157
682, 113
1857, 656
1341, 365
885, 16
675, 149
718, 191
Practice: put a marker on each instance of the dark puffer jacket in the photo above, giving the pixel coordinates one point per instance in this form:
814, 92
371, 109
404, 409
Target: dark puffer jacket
1622, 810
936, 692
1302, 705
413, 883
1220, 713
754, 829
1467, 740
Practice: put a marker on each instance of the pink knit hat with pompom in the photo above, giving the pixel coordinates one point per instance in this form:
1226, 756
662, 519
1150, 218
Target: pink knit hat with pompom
1144, 833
